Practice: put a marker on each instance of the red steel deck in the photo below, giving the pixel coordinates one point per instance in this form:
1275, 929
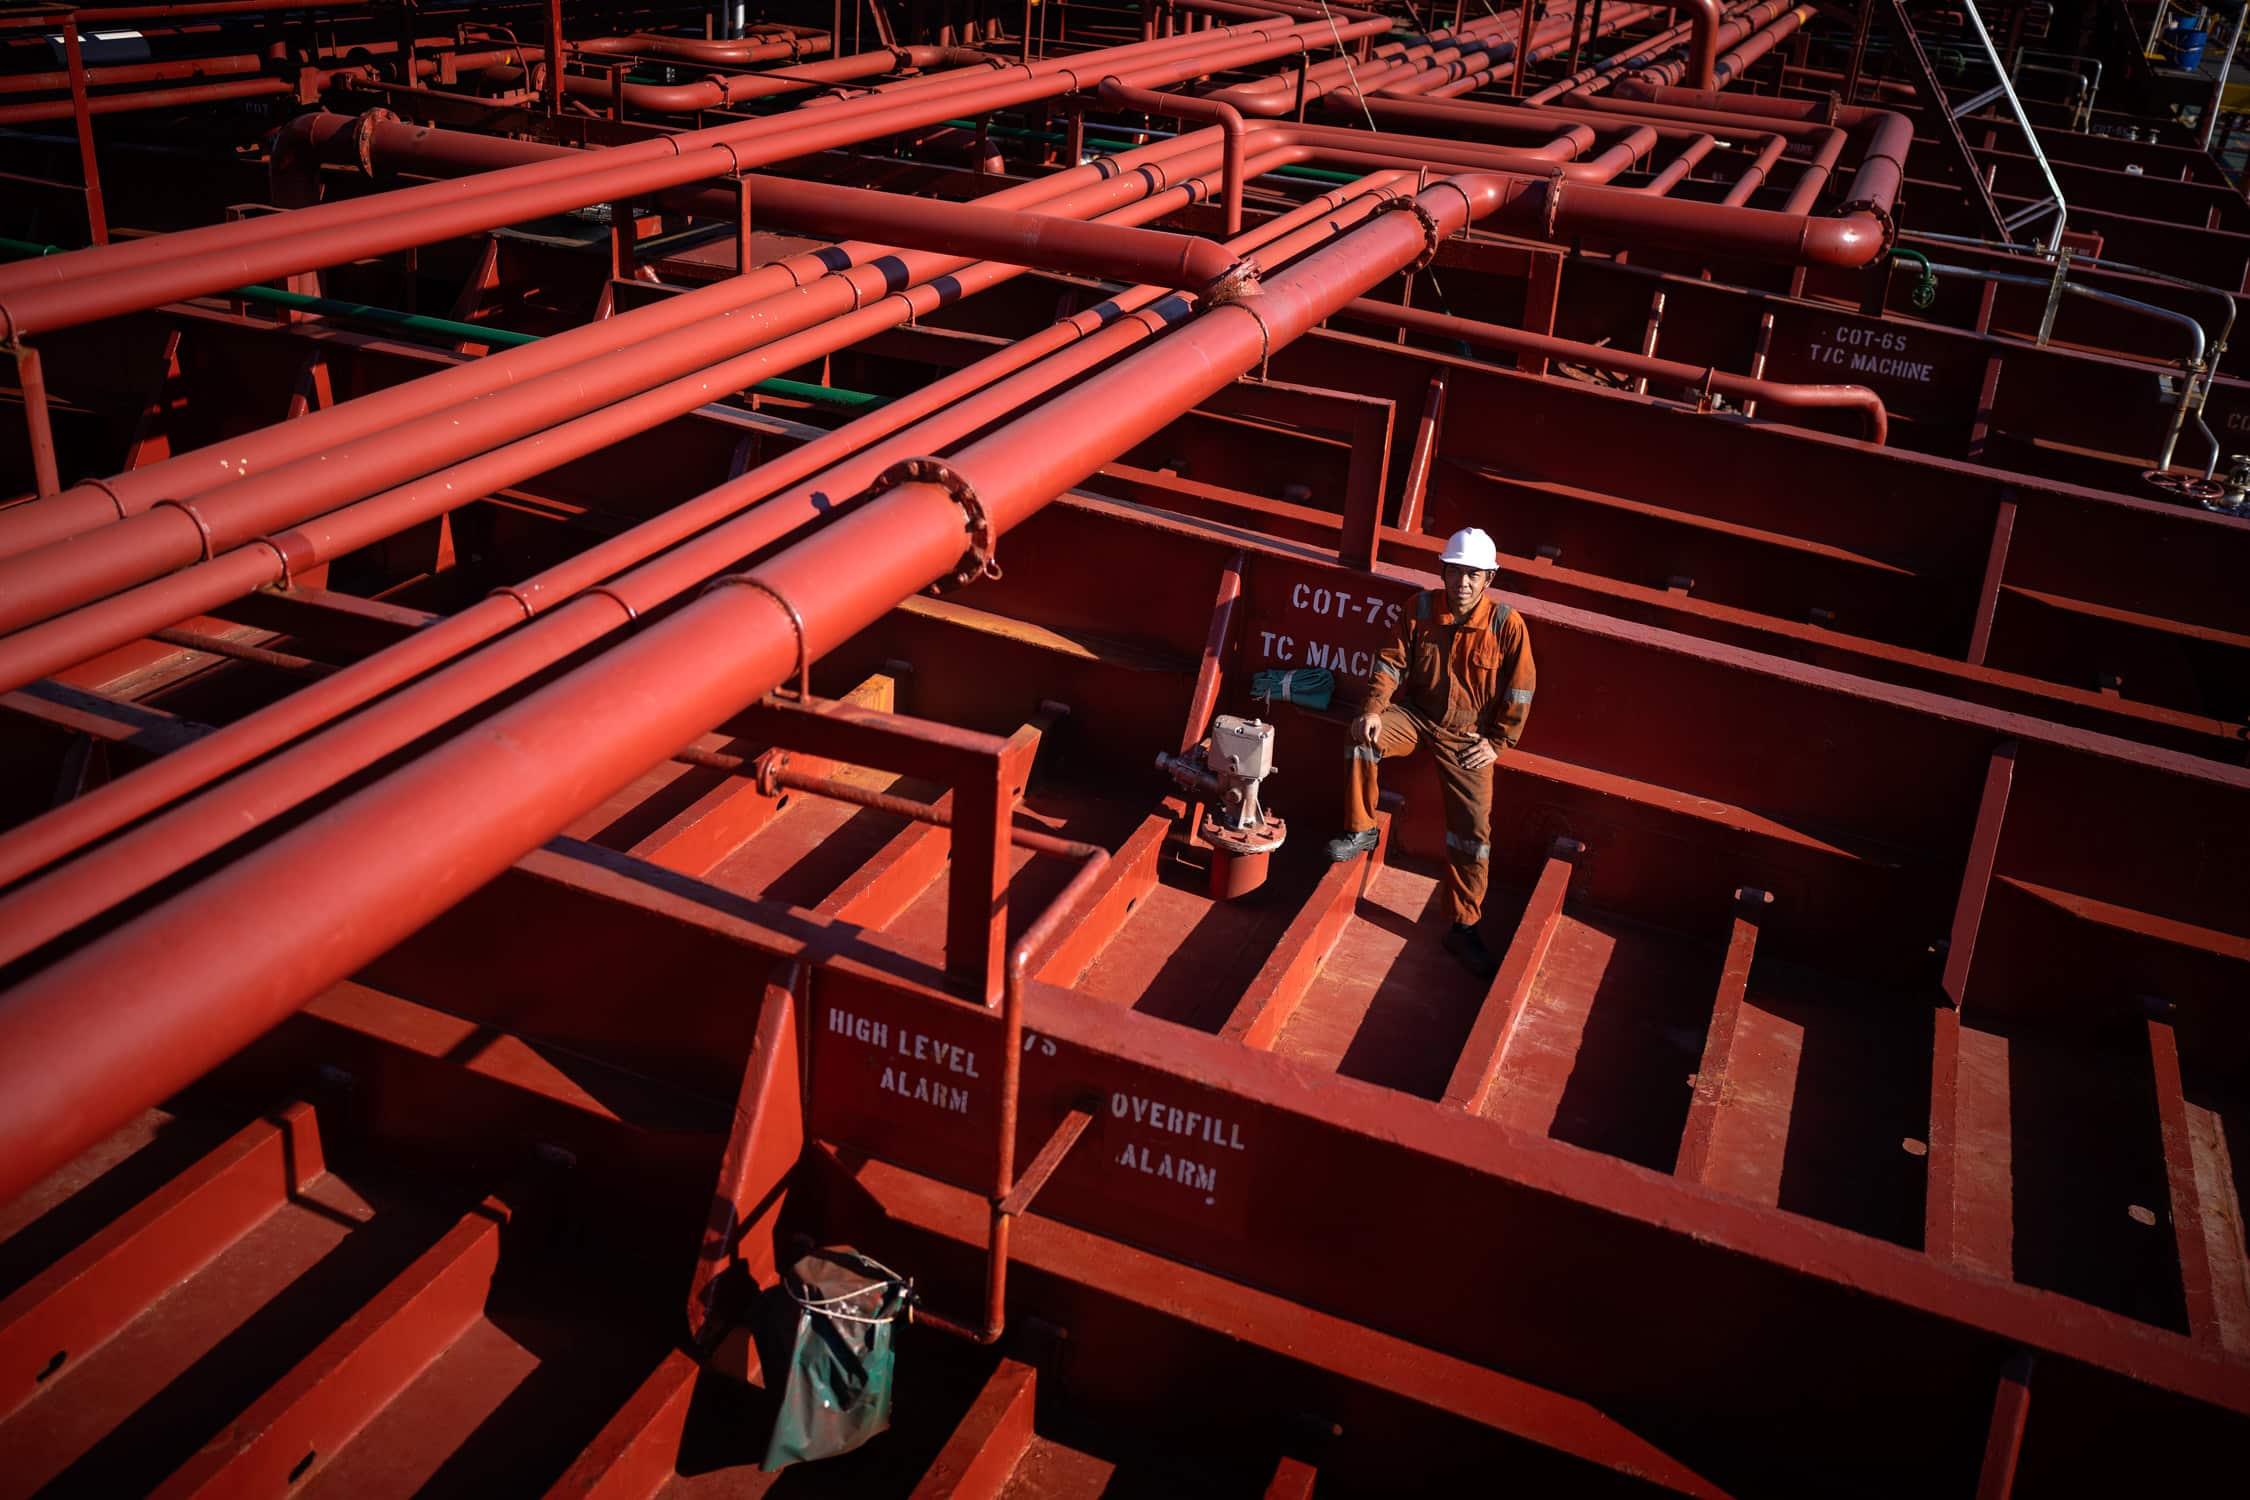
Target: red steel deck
449, 961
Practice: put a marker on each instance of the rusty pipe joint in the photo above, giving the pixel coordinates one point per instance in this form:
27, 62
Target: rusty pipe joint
976, 563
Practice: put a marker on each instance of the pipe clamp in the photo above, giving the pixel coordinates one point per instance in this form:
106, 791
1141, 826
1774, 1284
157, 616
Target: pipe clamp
796, 622
195, 519
294, 551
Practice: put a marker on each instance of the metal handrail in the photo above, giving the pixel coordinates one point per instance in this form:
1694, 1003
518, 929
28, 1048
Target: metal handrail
2023, 123
2194, 367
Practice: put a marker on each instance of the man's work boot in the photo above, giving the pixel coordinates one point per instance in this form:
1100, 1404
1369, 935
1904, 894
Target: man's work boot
1351, 845
1464, 944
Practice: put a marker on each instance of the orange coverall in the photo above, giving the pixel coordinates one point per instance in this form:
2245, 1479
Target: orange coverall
1455, 681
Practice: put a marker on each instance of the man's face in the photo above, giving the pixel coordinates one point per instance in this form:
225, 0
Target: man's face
1464, 586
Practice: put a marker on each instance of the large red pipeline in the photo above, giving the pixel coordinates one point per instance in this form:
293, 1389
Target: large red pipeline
149, 269
145, 1010
721, 91
65, 294
239, 514
338, 473
737, 50
31, 916
46, 111
174, 532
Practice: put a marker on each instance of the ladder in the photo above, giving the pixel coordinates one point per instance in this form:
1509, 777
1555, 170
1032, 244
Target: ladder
1948, 113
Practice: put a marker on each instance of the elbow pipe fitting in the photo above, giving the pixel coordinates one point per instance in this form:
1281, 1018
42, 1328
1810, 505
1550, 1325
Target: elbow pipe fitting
1234, 132
1703, 45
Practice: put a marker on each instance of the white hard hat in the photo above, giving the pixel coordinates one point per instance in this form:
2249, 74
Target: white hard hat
1471, 548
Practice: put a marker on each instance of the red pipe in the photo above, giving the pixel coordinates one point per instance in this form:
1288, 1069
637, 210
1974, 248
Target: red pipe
594, 407
1744, 27
178, 69
92, 505
1210, 111
32, 916
177, 531
1453, 82
177, 838
736, 50
102, 260
156, 264
1703, 48
1743, 387
1276, 94
143, 1011
48, 110
722, 91
623, 173
174, 533
1651, 48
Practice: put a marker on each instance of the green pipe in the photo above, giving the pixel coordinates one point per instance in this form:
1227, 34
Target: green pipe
389, 317
1924, 291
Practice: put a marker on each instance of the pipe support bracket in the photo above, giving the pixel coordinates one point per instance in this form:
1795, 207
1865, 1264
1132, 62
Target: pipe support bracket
796, 622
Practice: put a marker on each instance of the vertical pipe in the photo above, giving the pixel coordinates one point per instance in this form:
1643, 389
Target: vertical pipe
554, 88
2219, 89
82, 115
1523, 45
742, 226
46, 477
1577, 35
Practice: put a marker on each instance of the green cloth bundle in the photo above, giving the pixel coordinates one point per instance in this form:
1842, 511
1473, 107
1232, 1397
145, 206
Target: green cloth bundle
1310, 687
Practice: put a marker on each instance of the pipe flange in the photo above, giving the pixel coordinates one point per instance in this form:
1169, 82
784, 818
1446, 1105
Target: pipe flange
1551, 214
1236, 282
363, 136
978, 561
765, 772
1430, 233
1882, 216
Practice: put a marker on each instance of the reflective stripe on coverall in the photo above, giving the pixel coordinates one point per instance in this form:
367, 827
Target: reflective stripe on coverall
1455, 681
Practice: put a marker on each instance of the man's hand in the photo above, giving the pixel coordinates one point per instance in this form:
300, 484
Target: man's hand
1479, 755
1366, 727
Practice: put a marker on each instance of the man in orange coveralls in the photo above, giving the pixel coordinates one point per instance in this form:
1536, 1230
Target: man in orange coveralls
1462, 678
